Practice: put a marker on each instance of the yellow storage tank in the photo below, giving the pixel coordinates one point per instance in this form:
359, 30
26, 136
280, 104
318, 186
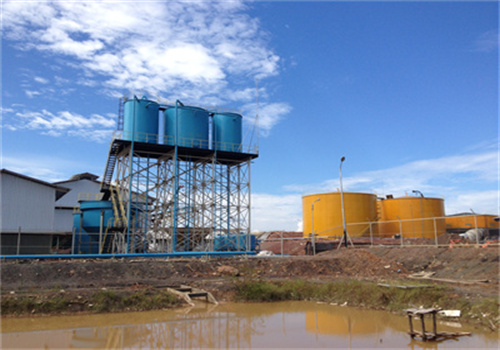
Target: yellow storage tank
411, 216
360, 209
464, 222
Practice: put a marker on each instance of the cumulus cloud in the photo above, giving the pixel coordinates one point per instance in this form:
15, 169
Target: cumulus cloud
464, 181
276, 212
160, 47
449, 177
267, 115
95, 127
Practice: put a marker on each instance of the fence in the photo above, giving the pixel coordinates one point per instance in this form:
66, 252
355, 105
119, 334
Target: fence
422, 232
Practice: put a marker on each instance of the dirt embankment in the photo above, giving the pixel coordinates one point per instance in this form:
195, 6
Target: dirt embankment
461, 265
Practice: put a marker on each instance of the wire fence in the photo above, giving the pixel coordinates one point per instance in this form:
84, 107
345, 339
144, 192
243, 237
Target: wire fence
421, 232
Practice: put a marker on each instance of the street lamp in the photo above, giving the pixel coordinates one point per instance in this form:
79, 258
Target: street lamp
312, 226
342, 201
421, 209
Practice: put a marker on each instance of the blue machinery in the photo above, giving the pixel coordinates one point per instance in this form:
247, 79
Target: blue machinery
177, 183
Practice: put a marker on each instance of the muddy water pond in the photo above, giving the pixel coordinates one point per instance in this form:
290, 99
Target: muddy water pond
234, 325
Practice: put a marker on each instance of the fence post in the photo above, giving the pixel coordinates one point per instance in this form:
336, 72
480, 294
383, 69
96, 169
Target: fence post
101, 224
477, 232
400, 230
371, 233
435, 231
281, 243
18, 248
73, 240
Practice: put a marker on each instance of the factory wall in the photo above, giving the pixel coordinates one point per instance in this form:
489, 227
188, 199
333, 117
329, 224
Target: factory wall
27, 211
27, 203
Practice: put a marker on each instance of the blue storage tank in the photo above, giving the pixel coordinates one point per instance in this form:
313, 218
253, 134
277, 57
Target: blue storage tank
190, 124
91, 215
226, 132
83, 244
140, 120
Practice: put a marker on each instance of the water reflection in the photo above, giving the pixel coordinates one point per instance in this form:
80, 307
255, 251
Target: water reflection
283, 325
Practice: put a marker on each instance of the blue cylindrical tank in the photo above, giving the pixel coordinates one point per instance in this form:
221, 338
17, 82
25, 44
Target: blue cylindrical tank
189, 125
226, 132
91, 215
83, 244
140, 120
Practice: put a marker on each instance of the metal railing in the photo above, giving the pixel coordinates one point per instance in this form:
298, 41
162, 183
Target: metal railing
421, 232
186, 142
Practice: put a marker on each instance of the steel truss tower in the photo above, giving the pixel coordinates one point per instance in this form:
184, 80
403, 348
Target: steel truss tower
172, 199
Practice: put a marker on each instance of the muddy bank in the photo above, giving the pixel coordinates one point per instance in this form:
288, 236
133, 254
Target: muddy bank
363, 264
469, 273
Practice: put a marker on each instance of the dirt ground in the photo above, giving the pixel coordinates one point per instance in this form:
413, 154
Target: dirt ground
471, 270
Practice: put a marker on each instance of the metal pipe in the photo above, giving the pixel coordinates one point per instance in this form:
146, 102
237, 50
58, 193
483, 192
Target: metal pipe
18, 249
101, 224
119, 256
342, 202
421, 210
312, 226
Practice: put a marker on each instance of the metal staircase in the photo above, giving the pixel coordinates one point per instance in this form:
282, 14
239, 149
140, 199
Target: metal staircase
108, 171
118, 208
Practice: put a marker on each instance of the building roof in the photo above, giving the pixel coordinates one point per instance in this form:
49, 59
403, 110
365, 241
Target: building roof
60, 190
81, 176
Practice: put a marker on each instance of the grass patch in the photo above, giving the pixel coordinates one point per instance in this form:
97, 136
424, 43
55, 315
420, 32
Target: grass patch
98, 301
370, 295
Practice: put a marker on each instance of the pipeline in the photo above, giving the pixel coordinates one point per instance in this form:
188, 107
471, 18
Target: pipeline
125, 255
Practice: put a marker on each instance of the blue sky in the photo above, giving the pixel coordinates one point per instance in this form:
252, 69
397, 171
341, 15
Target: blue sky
406, 91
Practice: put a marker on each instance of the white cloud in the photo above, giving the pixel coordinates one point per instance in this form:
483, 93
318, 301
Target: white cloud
269, 114
160, 47
95, 127
276, 212
486, 42
481, 202
467, 181
42, 167
41, 80
32, 93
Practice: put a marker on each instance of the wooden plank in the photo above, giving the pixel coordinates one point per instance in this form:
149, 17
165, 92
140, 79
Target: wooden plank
401, 286
422, 311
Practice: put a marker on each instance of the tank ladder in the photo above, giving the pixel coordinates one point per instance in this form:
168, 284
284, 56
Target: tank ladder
119, 121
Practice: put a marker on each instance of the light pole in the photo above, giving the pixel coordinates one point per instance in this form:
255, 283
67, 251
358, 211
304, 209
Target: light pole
342, 201
312, 226
421, 209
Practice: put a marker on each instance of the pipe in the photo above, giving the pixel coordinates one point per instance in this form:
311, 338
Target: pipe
124, 255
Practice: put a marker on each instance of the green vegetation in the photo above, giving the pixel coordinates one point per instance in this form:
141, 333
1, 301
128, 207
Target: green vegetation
94, 301
370, 295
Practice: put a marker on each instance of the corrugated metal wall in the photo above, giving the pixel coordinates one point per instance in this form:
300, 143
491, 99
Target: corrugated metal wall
26, 204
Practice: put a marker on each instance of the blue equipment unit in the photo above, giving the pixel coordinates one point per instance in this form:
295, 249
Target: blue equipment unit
140, 120
82, 243
226, 132
186, 126
91, 215
235, 243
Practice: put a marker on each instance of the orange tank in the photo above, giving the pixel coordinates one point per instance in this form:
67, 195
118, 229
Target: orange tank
413, 217
360, 210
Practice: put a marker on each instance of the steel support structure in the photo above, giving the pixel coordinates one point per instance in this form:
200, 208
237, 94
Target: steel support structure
183, 200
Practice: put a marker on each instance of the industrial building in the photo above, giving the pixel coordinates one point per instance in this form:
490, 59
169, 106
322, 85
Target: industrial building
37, 216
27, 209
